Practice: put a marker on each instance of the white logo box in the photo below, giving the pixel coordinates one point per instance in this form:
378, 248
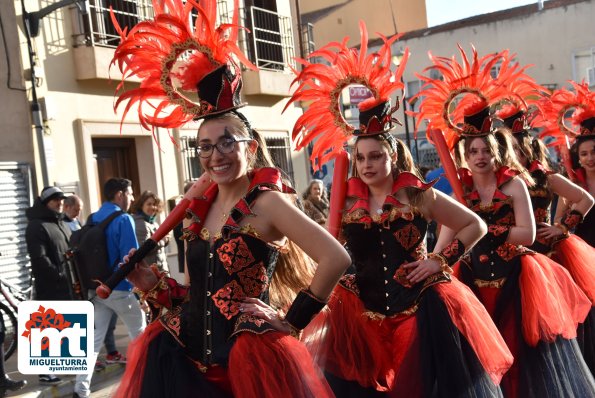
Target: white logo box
55, 337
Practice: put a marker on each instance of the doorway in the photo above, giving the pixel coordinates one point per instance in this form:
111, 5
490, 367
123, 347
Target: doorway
115, 157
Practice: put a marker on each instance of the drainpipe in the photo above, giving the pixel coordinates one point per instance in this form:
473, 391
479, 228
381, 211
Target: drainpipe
299, 23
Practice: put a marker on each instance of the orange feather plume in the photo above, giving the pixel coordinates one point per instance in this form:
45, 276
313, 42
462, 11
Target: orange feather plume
151, 52
322, 84
473, 80
555, 112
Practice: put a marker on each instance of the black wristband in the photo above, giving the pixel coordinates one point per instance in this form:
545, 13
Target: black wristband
303, 309
453, 251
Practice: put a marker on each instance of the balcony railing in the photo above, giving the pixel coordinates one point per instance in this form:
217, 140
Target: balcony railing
97, 28
272, 39
269, 44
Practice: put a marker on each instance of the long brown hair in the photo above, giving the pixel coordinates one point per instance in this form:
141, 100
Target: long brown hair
294, 270
404, 163
500, 147
532, 148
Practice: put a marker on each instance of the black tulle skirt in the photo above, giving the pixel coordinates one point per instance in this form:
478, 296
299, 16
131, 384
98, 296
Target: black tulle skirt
169, 373
420, 355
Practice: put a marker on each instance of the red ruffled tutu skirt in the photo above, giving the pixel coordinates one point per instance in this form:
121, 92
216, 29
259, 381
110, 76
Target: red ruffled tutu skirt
578, 258
449, 342
268, 365
538, 311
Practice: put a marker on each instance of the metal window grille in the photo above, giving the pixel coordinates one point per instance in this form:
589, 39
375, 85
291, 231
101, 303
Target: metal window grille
98, 29
272, 39
191, 164
97, 26
308, 38
269, 44
280, 150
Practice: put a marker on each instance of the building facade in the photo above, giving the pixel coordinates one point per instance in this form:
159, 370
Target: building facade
332, 20
84, 142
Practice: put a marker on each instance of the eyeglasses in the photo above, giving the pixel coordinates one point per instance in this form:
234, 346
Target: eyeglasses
225, 146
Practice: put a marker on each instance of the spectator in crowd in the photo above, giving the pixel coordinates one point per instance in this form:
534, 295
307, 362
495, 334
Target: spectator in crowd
73, 205
144, 211
47, 237
316, 204
120, 238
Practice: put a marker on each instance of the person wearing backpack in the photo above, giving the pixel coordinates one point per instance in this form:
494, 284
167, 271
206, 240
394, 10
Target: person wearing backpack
120, 237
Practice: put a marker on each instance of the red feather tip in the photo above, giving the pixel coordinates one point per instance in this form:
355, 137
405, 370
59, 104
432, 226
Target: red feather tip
369, 103
507, 111
475, 107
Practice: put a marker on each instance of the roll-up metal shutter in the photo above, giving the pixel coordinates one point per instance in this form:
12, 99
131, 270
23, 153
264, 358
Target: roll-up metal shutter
15, 197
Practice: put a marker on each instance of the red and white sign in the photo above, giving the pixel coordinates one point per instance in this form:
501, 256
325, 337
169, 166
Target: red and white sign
358, 94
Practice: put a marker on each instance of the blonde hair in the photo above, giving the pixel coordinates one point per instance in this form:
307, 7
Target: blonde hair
294, 270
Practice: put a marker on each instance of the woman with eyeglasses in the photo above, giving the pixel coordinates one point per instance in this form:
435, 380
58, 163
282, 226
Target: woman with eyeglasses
245, 266
232, 330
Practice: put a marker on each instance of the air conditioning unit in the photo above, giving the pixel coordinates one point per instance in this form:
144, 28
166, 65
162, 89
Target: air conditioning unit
591, 76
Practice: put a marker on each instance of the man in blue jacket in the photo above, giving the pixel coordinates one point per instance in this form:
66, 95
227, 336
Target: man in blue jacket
120, 238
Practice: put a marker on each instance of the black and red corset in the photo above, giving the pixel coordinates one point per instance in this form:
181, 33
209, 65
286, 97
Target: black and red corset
492, 257
381, 244
237, 264
223, 275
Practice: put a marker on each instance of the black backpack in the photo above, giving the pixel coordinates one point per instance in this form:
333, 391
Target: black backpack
88, 253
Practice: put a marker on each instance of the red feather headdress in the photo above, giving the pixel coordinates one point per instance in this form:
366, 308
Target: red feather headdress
520, 111
471, 78
322, 85
170, 56
557, 120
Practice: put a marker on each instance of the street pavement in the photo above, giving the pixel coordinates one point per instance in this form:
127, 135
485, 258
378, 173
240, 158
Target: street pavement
104, 383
